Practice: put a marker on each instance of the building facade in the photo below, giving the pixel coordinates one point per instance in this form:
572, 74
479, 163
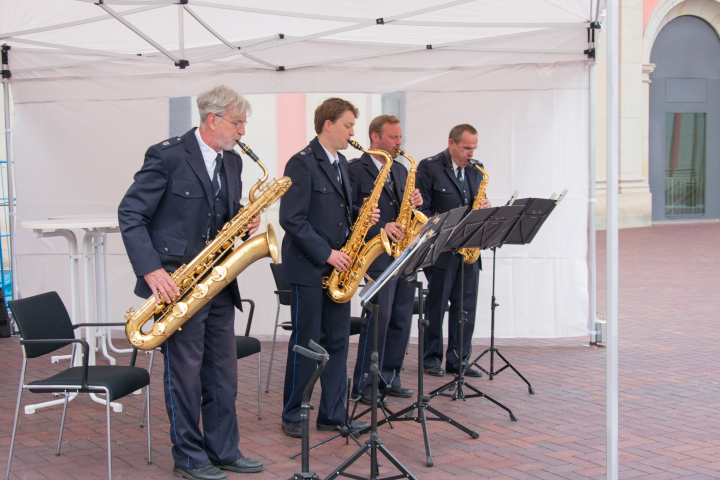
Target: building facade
669, 112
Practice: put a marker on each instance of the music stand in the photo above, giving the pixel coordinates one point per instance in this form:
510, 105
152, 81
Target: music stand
321, 356
423, 252
532, 216
475, 230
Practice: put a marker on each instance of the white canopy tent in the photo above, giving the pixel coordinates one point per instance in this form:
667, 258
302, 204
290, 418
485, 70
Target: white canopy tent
91, 83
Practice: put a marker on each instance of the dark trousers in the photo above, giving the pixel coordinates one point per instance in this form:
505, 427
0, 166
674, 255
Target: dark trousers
444, 287
316, 317
201, 374
395, 302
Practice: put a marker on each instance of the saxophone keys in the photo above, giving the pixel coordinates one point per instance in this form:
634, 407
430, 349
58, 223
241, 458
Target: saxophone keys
201, 291
159, 308
219, 273
180, 310
186, 282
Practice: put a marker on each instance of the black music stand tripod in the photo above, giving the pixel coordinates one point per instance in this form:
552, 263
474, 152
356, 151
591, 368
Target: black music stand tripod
535, 212
321, 356
423, 254
373, 445
475, 229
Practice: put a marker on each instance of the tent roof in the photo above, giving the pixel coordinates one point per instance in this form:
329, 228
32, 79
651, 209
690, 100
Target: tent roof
292, 34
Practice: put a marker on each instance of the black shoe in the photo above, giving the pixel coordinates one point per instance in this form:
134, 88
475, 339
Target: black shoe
367, 399
293, 429
399, 391
208, 472
355, 426
435, 371
469, 372
242, 465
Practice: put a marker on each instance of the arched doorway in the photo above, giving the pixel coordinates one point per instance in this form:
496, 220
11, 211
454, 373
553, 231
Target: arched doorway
684, 164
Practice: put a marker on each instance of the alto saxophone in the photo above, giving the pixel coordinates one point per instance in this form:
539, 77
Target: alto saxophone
409, 218
215, 267
471, 255
341, 286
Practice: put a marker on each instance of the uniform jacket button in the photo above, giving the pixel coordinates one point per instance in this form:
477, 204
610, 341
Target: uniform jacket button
339, 224
187, 193
209, 215
166, 249
342, 205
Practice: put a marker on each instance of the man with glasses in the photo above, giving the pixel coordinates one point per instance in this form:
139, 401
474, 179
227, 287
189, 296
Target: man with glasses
447, 181
186, 190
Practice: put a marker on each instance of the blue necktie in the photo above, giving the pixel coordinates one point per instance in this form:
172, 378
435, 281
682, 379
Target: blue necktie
216, 175
336, 167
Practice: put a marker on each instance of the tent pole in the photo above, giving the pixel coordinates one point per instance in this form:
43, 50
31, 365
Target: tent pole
10, 168
613, 132
592, 211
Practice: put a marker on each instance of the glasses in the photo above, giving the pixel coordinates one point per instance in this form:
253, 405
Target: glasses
238, 124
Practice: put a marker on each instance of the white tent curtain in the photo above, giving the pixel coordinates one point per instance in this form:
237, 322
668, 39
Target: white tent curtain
87, 106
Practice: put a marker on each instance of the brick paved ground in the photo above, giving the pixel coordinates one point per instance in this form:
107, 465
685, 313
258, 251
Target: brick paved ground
669, 396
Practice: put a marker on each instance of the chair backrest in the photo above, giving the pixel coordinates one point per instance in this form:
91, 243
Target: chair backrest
283, 287
42, 316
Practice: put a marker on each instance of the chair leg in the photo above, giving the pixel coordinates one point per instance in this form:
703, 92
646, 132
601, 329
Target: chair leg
147, 403
17, 412
62, 424
272, 350
259, 386
109, 441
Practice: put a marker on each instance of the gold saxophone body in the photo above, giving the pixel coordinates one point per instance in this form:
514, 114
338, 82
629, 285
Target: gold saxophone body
471, 255
341, 286
214, 268
409, 218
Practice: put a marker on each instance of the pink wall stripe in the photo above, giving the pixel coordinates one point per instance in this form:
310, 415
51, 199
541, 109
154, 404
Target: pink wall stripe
291, 124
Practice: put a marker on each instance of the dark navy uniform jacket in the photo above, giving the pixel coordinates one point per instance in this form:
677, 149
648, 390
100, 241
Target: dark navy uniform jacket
316, 214
165, 214
441, 191
363, 173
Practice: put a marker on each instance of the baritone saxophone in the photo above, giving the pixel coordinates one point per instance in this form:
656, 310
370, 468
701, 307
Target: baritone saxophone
341, 286
471, 255
214, 268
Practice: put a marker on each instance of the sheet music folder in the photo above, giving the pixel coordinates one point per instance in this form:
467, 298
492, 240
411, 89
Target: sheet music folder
535, 212
422, 252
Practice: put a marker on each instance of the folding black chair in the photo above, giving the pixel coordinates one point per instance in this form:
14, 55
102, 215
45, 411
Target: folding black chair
283, 295
45, 327
246, 346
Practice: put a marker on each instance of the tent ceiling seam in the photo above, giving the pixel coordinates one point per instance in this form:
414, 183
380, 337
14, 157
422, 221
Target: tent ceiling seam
139, 33
60, 26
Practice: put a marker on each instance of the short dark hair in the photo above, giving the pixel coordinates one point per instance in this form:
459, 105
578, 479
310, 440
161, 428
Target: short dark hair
457, 131
378, 122
331, 109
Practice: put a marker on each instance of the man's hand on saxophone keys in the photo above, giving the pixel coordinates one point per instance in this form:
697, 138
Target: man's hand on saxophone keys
485, 203
162, 286
253, 225
339, 260
416, 198
375, 216
394, 231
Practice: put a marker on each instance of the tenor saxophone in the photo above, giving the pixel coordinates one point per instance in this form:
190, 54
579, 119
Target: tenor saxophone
471, 255
341, 286
409, 218
215, 267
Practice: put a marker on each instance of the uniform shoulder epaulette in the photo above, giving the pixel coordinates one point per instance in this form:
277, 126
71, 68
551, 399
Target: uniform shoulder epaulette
434, 158
307, 151
170, 142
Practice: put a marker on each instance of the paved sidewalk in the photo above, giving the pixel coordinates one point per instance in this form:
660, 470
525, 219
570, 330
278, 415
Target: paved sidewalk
669, 396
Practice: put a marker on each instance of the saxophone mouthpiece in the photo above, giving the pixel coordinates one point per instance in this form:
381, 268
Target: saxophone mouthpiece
400, 152
355, 144
246, 150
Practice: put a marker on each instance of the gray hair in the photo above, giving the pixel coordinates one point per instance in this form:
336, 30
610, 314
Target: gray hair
221, 100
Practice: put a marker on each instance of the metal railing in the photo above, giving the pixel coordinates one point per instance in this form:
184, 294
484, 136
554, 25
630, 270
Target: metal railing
684, 195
